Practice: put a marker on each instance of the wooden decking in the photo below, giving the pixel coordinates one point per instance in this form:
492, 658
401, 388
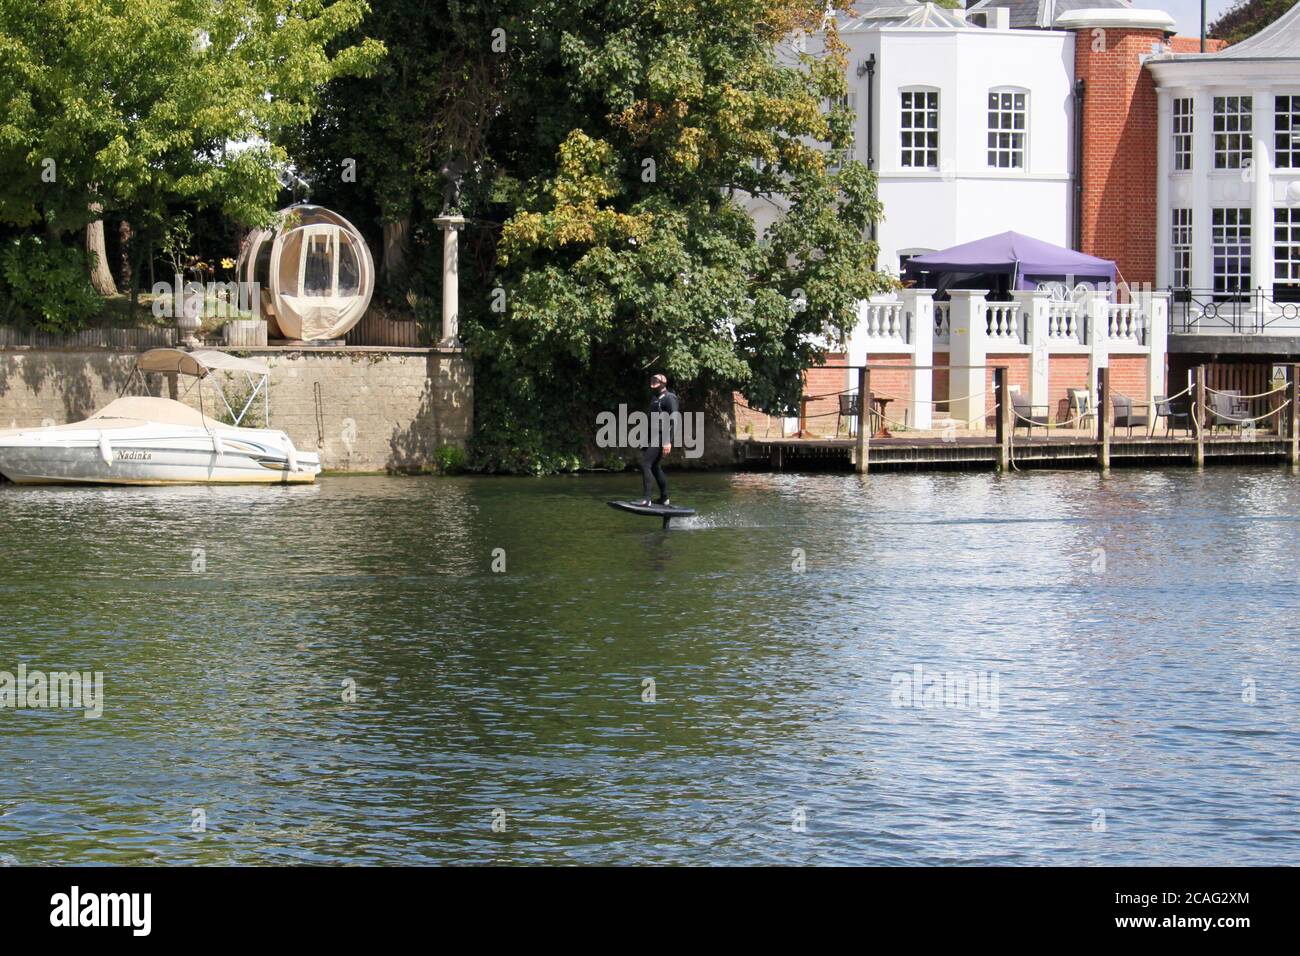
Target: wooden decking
925, 453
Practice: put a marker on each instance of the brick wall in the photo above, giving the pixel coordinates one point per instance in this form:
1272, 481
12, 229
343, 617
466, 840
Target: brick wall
1118, 218
894, 384
826, 381
375, 409
1128, 375
1064, 372
940, 383
1193, 44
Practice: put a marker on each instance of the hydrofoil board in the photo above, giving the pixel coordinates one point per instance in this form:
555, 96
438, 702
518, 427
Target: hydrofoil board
666, 512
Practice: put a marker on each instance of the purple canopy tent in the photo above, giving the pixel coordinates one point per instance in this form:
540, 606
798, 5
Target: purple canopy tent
1027, 261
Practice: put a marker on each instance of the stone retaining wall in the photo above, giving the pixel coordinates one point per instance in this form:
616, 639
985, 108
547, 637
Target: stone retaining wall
363, 409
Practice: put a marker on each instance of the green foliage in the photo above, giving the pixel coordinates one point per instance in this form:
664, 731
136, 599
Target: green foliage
626, 247
47, 282
131, 104
611, 146
1248, 17
237, 391
449, 459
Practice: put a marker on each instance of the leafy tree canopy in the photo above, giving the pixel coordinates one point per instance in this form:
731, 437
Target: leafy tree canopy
1248, 17
130, 105
611, 145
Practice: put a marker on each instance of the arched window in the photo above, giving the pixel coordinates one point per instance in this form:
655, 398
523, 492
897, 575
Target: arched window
1008, 128
918, 128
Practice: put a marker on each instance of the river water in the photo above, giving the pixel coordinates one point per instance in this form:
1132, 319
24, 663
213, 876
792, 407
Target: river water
901, 669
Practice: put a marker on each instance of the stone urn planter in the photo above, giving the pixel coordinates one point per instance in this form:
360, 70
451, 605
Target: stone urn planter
189, 317
244, 332
189, 321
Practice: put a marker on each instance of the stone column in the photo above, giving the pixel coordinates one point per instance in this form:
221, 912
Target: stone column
1202, 166
1164, 170
1033, 306
968, 345
1155, 306
1261, 216
451, 227
919, 303
1097, 308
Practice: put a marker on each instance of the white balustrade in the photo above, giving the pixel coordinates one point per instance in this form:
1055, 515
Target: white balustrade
1125, 323
884, 320
1004, 322
1064, 323
942, 322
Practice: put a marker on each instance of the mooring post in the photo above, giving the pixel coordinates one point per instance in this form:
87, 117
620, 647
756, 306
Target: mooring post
864, 421
1103, 419
1002, 422
1198, 416
1293, 419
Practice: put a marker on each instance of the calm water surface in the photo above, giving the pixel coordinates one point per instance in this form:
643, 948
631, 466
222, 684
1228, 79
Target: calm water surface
1143, 632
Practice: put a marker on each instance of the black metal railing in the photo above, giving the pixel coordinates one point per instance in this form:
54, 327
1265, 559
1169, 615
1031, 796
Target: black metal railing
1240, 311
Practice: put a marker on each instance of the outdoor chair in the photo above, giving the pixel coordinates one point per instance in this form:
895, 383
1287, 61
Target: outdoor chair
1126, 415
1024, 414
1079, 406
849, 410
1175, 413
1228, 408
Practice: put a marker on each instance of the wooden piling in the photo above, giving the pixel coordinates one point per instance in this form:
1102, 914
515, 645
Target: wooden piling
862, 448
1198, 416
1003, 423
1103, 420
1293, 418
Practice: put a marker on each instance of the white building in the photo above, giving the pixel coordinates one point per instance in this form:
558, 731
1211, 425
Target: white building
968, 128
1228, 182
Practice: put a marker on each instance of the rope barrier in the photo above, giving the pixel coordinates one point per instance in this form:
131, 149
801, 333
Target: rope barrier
1214, 391
1245, 421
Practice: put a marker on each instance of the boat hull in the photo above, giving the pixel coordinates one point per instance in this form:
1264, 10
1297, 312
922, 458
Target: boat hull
118, 457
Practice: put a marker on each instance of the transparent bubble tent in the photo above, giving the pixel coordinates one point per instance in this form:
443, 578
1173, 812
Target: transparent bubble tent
314, 274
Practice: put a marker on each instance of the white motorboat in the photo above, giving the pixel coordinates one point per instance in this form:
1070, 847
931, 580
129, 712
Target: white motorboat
159, 441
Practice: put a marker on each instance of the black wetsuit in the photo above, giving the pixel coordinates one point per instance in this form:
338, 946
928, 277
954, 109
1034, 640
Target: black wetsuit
663, 431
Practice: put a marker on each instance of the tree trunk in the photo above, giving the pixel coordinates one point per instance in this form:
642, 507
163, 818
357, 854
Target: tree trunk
101, 276
396, 243
124, 271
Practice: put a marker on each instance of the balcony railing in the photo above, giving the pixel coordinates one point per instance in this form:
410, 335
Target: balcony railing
1067, 323
1126, 323
1240, 312
1005, 323
885, 321
942, 323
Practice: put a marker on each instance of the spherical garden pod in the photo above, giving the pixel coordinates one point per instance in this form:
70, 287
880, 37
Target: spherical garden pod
314, 274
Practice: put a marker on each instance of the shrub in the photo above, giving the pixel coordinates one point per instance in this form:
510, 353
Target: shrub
47, 281
450, 460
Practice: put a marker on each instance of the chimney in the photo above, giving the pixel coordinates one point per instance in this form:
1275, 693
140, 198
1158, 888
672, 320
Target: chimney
991, 18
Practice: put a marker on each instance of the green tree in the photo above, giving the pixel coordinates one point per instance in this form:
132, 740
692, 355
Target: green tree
1247, 17
636, 129
610, 147
132, 106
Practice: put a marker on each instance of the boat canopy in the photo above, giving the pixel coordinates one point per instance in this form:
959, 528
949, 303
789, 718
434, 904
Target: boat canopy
137, 409
197, 363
